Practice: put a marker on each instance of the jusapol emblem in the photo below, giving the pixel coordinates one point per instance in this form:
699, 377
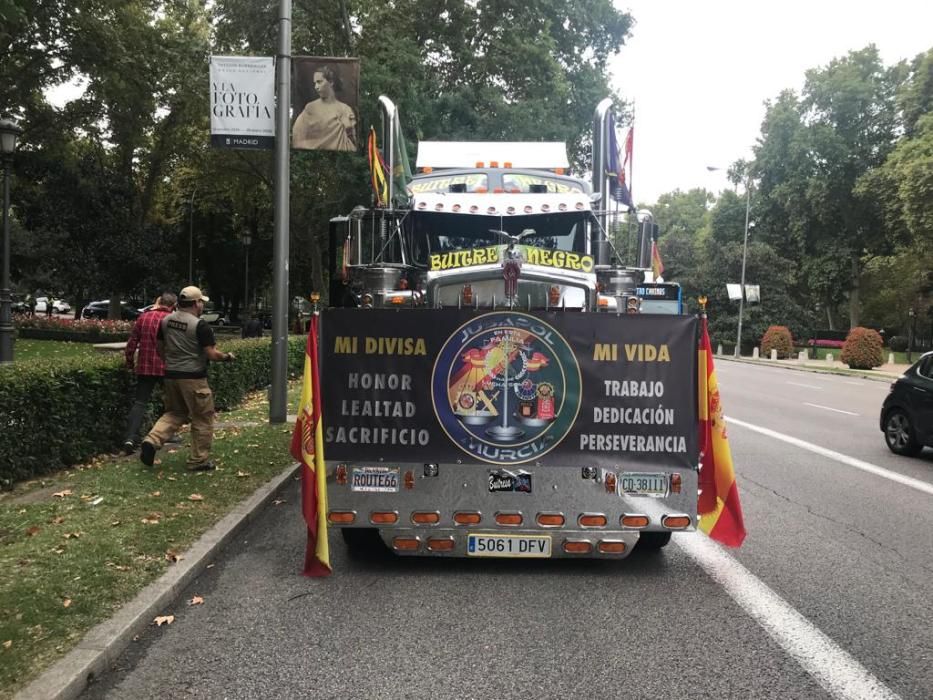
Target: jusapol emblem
506, 387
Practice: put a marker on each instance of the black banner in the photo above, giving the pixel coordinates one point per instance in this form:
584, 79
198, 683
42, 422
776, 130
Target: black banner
509, 388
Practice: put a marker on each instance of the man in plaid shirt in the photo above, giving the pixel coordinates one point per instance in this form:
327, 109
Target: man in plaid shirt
149, 366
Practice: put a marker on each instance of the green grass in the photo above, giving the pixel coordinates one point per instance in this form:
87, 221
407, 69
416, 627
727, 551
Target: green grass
27, 349
76, 546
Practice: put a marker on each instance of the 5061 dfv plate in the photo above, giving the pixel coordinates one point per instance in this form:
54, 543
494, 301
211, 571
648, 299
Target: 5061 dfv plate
374, 479
530, 546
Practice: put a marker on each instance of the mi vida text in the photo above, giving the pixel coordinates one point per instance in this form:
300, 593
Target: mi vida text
378, 345
631, 352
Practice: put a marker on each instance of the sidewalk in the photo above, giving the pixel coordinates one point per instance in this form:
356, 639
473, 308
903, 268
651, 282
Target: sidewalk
884, 373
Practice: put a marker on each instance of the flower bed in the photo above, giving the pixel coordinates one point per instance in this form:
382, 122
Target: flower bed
82, 330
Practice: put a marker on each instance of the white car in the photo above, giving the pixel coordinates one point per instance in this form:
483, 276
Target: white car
59, 306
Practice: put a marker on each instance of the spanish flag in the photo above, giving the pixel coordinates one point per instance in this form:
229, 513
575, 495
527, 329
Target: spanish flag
719, 507
657, 267
308, 448
377, 170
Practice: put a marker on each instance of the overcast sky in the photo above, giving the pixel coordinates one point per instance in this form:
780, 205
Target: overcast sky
699, 72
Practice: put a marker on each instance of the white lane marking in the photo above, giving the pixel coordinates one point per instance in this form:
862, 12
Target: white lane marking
858, 383
806, 386
831, 666
827, 408
839, 457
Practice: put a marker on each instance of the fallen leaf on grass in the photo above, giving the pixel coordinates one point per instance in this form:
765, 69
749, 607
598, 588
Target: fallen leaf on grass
172, 478
241, 475
7, 644
33, 531
66, 603
152, 519
278, 501
57, 520
173, 556
62, 494
114, 523
164, 620
155, 494
195, 497
70, 535
197, 600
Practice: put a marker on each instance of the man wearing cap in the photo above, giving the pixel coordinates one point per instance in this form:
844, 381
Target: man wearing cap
187, 344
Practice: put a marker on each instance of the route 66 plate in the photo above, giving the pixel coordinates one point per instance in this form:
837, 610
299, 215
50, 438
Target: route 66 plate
526, 546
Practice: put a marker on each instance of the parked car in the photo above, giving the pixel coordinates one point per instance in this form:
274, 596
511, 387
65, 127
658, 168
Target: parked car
907, 412
101, 309
214, 317
59, 306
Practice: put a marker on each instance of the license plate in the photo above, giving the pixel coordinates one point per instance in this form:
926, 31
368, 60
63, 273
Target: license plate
374, 480
532, 546
643, 484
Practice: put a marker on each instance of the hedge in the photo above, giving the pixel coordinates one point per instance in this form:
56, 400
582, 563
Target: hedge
73, 336
57, 413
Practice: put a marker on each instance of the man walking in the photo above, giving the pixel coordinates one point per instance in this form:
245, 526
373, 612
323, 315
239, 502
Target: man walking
186, 342
149, 366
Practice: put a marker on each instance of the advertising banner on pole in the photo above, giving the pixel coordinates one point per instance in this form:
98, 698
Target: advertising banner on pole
510, 387
325, 103
242, 102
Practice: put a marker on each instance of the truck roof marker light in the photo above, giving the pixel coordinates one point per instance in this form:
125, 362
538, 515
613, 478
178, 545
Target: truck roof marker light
545, 207
510, 210
439, 206
603, 302
409, 479
562, 206
611, 547
610, 481
398, 300
473, 208
507, 164
341, 517
493, 164
426, 517
528, 209
480, 190
592, 520
383, 517
480, 164
676, 482
455, 207
498, 190
467, 518
406, 544
441, 544
559, 171
676, 522
634, 521
514, 190
422, 205
340, 474
580, 206
577, 546
550, 519
491, 210
511, 519
427, 169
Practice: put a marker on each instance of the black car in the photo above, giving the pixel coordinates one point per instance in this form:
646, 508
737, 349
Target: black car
100, 309
907, 412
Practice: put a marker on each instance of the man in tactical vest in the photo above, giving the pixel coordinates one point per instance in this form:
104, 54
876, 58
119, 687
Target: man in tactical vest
186, 342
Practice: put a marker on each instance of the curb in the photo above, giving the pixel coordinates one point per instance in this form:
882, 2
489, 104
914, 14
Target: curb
101, 646
879, 376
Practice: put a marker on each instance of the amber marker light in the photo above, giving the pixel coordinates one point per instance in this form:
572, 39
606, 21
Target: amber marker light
610, 482
397, 300
507, 164
676, 483
341, 517
340, 474
410, 479
509, 518
611, 547
467, 518
592, 520
550, 519
493, 164
426, 518
675, 522
634, 521
577, 546
479, 164
441, 544
380, 517
406, 544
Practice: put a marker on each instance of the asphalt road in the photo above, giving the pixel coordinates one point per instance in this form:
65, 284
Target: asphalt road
831, 595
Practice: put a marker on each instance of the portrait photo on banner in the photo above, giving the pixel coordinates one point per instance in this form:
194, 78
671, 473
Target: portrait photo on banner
325, 103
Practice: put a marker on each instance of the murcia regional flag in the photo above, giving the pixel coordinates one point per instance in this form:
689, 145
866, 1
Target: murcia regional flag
308, 449
719, 507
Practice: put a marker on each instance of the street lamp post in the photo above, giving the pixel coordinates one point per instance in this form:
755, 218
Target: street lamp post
910, 332
748, 202
247, 240
191, 236
9, 131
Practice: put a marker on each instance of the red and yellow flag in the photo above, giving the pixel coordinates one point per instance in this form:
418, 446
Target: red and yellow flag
719, 507
657, 267
308, 448
377, 170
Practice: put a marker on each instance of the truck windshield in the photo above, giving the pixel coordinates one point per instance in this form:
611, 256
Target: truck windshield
429, 232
